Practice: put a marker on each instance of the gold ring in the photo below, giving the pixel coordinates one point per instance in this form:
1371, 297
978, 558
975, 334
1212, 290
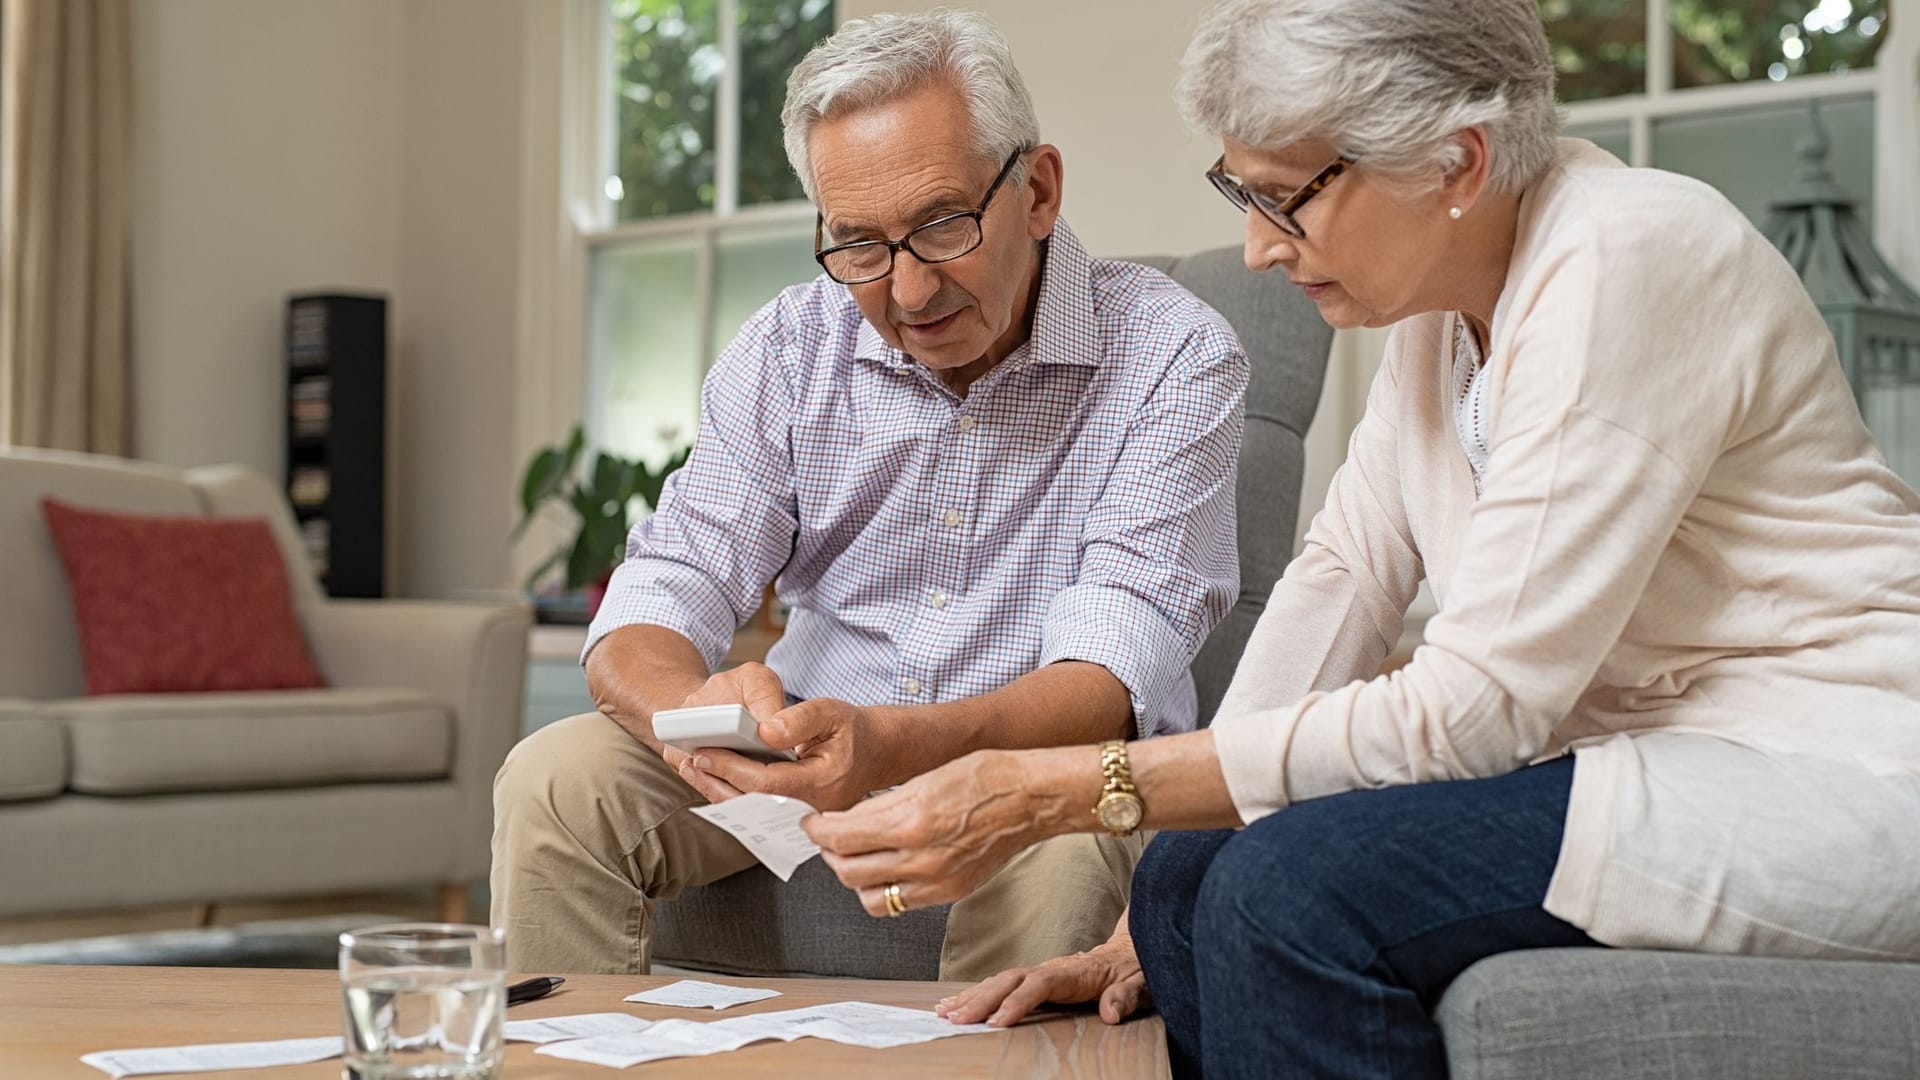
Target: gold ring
896, 906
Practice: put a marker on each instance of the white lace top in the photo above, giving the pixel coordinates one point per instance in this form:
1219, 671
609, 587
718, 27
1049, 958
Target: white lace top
1469, 401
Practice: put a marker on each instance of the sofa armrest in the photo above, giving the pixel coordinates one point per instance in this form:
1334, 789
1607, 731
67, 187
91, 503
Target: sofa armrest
473, 657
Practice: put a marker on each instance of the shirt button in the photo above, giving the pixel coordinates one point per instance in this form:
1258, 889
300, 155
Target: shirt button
912, 687
951, 519
965, 424
938, 599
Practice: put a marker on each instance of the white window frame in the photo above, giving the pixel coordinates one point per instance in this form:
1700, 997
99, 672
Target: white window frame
567, 154
600, 227
1893, 82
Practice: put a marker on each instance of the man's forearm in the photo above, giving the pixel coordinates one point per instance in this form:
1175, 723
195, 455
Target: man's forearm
1067, 703
636, 671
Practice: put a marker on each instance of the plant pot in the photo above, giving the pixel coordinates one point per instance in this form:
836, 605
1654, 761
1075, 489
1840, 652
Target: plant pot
595, 592
562, 609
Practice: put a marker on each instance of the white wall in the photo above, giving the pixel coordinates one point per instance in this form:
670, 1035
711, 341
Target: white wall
282, 146
458, 299
264, 143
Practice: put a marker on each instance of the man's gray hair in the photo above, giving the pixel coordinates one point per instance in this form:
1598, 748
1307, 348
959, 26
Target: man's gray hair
882, 58
1388, 82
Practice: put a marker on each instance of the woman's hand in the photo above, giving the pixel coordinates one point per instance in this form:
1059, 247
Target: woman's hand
939, 835
1110, 972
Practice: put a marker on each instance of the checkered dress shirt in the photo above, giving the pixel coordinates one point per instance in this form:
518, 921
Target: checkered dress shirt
1076, 504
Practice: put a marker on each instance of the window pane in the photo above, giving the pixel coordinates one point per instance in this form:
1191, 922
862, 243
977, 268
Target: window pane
774, 35
1599, 46
666, 76
750, 267
1613, 136
643, 391
1722, 41
1752, 154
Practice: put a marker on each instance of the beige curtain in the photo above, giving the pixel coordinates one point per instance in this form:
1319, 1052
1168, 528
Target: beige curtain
65, 77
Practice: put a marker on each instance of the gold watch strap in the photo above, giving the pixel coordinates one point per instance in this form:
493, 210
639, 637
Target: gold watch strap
1115, 767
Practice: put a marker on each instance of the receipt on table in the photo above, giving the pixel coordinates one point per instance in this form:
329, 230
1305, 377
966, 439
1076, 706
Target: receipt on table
850, 1023
768, 826
694, 994
666, 1039
858, 1023
582, 1026
213, 1057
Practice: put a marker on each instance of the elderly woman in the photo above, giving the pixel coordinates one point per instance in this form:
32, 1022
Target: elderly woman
1670, 698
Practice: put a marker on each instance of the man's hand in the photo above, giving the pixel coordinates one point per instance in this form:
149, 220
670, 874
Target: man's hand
1110, 972
754, 686
844, 755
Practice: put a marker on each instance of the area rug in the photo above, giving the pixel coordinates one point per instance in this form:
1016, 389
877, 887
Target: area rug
276, 943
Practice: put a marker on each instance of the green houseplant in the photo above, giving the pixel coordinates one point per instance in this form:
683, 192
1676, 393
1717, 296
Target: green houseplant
600, 495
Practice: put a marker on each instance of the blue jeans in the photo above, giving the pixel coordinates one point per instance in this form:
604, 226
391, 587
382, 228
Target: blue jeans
1317, 941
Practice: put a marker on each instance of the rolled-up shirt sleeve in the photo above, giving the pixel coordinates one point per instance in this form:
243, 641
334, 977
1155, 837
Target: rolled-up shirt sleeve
726, 524
1159, 555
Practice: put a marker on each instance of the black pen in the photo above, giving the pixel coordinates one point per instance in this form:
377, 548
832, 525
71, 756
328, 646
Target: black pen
530, 989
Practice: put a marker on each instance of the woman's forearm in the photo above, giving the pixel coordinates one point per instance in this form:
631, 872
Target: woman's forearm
1178, 778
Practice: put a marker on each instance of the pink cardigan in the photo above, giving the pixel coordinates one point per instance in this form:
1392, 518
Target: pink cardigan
1690, 566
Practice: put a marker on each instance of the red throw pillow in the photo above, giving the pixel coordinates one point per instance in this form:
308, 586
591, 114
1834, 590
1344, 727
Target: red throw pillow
180, 603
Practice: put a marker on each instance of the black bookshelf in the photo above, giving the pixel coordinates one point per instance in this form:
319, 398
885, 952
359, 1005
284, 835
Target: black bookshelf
337, 435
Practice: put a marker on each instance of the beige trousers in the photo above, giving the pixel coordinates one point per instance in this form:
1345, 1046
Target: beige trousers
587, 832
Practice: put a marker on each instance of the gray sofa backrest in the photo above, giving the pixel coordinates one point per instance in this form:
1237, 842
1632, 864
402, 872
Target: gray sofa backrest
1287, 342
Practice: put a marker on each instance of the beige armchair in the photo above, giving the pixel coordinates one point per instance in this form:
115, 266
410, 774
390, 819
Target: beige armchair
381, 780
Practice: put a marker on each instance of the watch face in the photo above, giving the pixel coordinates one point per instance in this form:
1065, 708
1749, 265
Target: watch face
1120, 813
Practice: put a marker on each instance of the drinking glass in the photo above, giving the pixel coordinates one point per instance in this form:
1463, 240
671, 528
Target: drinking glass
423, 1001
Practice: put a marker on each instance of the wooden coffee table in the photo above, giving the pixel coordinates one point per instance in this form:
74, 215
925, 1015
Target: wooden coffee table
49, 1016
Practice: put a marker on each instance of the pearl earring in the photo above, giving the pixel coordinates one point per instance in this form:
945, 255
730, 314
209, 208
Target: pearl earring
1454, 213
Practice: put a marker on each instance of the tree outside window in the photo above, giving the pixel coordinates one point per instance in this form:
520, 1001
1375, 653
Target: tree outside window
703, 228
668, 64
1600, 46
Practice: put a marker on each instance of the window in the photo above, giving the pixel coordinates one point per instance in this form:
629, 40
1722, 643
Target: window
1720, 89
694, 218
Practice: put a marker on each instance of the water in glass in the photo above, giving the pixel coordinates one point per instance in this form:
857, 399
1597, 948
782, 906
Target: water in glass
423, 1001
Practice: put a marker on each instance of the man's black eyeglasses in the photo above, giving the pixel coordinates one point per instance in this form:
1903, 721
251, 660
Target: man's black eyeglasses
943, 239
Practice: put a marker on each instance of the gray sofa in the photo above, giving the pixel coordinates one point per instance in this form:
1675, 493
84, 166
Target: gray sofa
381, 780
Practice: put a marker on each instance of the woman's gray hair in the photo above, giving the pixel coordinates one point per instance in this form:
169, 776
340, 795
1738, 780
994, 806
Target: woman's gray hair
1388, 82
883, 58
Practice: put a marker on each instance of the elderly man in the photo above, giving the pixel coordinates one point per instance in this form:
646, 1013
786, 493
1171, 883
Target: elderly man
992, 477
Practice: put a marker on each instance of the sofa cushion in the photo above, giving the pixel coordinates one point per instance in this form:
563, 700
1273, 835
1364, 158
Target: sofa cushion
1574, 1013
137, 744
179, 602
754, 924
39, 647
33, 753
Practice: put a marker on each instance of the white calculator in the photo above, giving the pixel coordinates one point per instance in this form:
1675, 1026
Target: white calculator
718, 727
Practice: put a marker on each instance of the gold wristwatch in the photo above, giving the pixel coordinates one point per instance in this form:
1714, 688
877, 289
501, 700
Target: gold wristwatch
1119, 809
